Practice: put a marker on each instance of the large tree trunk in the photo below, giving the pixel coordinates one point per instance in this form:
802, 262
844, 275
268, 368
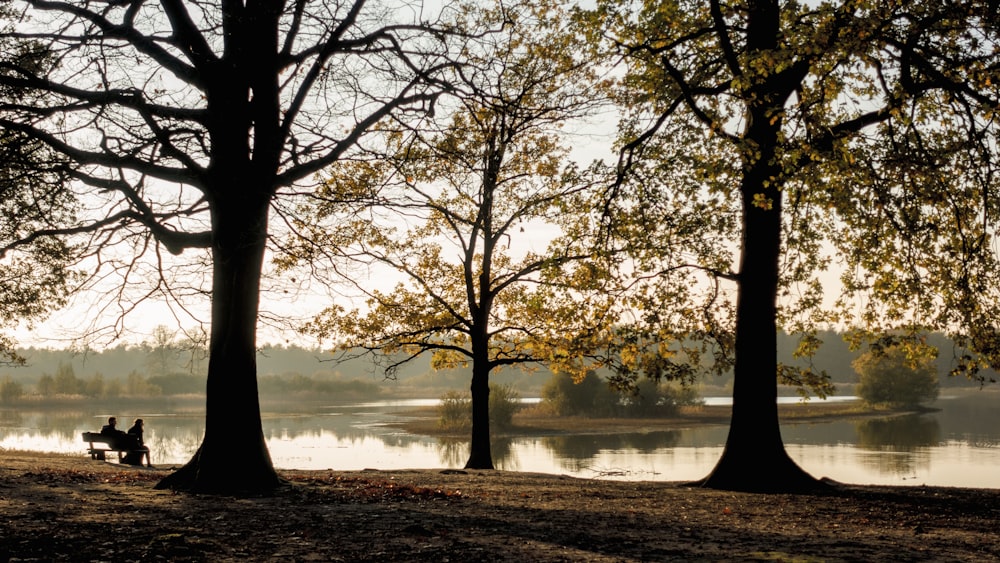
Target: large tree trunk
243, 112
233, 457
754, 458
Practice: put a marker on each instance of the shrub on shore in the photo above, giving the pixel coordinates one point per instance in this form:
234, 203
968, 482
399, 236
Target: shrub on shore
897, 376
455, 408
592, 397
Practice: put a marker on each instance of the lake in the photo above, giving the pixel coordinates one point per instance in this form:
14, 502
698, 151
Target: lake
958, 445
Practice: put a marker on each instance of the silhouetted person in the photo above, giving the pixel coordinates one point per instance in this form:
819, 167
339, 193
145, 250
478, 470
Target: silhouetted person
134, 457
111, 428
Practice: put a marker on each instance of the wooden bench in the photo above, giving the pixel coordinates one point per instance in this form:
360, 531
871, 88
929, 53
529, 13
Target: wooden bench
101, 444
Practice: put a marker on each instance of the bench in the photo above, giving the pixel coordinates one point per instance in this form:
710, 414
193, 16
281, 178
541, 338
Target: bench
101, 444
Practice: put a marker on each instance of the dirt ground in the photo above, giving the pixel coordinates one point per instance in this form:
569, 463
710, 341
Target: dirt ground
66, 508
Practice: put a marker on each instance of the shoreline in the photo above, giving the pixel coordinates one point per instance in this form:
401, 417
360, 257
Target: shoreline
532, 421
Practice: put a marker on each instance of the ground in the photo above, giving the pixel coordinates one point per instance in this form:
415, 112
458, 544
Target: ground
71, 508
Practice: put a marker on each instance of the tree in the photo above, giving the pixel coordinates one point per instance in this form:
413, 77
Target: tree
898, 376
66, 382
777, 103
46, 385
182, 124
113, 389
446, 204
194, 348
33, 277
919, 245
162, 352
94, 387
10, 391
137, 386
589, 396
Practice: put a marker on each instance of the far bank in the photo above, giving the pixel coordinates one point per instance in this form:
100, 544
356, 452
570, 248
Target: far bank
535, 420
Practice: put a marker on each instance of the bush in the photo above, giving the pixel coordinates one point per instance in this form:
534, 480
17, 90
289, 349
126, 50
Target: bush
137, 386
590, 397
593, 397
296, 384
94, 387
46, 385
455, 409
504, 402
10, 391
179, 383
897, 376
658, 399
66, 382
647, 400
112, 389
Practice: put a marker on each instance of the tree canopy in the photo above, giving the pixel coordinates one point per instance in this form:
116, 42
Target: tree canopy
792, 113
897, 375
481, 213
182, 125
34, 271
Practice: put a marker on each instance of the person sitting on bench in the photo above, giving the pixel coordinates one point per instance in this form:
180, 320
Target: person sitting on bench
134, 457
110, 429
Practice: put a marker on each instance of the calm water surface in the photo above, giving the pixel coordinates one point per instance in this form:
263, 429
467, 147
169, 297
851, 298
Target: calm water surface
959, 445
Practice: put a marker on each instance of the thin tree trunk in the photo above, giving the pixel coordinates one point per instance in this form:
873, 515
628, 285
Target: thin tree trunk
233, 456
480, 453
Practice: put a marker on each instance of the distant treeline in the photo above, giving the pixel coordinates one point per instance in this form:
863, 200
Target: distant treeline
119, 361
65, 384
170, 369
835, 357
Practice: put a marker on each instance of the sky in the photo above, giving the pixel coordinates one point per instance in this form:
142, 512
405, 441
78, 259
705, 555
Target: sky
86, 320
92, 319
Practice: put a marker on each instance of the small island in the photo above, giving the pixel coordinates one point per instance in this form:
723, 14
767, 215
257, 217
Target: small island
534, 421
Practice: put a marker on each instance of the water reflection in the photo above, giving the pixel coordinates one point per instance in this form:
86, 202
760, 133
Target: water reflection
453, 452
956, 446
11, 419
973, 420
586, 446
900, 434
